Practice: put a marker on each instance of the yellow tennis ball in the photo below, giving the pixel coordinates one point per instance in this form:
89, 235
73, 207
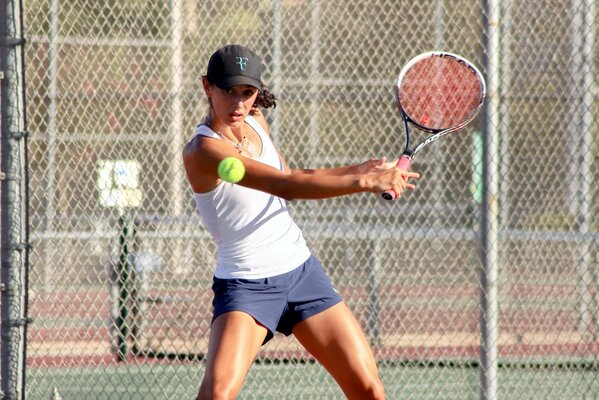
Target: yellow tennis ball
231, 169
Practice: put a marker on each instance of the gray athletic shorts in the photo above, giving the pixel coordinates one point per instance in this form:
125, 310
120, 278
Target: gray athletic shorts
277, 302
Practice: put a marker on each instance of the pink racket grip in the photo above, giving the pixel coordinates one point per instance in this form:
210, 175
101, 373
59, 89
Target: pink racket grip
404, 162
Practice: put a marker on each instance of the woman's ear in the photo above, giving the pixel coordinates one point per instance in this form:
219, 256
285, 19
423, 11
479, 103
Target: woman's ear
207, 86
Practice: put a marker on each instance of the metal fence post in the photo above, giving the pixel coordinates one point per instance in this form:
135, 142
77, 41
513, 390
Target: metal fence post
490, 210
13, 192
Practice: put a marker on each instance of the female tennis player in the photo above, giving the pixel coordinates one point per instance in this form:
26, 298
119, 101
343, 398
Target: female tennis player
266, 279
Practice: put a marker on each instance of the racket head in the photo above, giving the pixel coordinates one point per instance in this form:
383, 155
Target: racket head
440, 91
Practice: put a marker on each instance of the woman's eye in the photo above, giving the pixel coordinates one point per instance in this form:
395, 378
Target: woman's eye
249, 92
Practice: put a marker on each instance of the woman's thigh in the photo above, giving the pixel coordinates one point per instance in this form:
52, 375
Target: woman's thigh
335, 338
235, 338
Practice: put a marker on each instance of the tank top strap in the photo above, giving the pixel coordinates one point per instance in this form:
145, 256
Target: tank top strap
204, 130
255, 125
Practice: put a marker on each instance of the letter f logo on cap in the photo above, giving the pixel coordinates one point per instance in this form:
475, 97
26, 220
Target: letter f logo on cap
242, 61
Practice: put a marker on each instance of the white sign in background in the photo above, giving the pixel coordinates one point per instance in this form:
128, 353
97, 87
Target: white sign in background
118, 183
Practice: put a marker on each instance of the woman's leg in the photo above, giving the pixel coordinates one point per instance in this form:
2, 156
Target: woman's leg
235, 338
336, 340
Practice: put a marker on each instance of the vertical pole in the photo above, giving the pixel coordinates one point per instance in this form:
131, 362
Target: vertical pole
374, 287
139, 290
176, 131
277, 78
314, 79
440, 25
50, 213
13, 213
123, 278
490, 207
176, 181
505, 100
581, 156
438, 167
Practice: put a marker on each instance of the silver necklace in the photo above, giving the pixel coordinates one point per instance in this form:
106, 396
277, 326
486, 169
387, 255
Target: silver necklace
240, 146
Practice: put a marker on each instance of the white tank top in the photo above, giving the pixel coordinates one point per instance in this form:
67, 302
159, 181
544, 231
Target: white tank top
253, 231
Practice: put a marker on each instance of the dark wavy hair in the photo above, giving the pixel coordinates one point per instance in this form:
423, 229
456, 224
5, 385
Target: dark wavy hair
265, 99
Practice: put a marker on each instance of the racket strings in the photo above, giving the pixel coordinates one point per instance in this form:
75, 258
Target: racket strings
440, 92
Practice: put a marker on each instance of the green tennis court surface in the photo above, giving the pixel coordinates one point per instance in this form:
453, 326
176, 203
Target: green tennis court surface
287, 381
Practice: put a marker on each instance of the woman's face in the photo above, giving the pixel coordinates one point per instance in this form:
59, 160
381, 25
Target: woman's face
231, 106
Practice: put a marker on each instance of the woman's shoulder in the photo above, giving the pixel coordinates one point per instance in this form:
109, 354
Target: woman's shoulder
258, 116
204, 130
202, 140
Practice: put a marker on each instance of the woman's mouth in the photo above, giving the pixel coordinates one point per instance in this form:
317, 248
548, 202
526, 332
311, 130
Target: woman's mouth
236, 116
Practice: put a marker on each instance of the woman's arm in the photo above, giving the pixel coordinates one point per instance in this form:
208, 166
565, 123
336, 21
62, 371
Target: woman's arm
372, 165
202, 156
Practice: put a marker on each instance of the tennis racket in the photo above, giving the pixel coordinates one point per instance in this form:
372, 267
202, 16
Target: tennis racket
438, 93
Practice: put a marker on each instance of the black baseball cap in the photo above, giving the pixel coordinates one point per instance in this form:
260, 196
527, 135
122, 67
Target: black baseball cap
234, 65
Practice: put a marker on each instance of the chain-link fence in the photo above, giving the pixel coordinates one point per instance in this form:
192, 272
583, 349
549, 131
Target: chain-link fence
484, 282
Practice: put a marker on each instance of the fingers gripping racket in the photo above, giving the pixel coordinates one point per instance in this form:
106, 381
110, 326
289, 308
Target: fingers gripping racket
439, 93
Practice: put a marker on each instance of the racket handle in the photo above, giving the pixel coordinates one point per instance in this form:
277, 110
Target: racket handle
404, 162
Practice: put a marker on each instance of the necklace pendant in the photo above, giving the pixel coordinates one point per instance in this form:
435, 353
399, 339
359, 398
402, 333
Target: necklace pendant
240, 146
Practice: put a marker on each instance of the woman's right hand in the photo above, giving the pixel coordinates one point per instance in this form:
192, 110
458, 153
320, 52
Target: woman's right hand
392, 177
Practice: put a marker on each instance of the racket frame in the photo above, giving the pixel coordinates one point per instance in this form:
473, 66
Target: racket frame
407, 156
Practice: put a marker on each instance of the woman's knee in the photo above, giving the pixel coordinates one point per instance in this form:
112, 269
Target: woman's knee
218, 390
377, 390
363, 387
371, 389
